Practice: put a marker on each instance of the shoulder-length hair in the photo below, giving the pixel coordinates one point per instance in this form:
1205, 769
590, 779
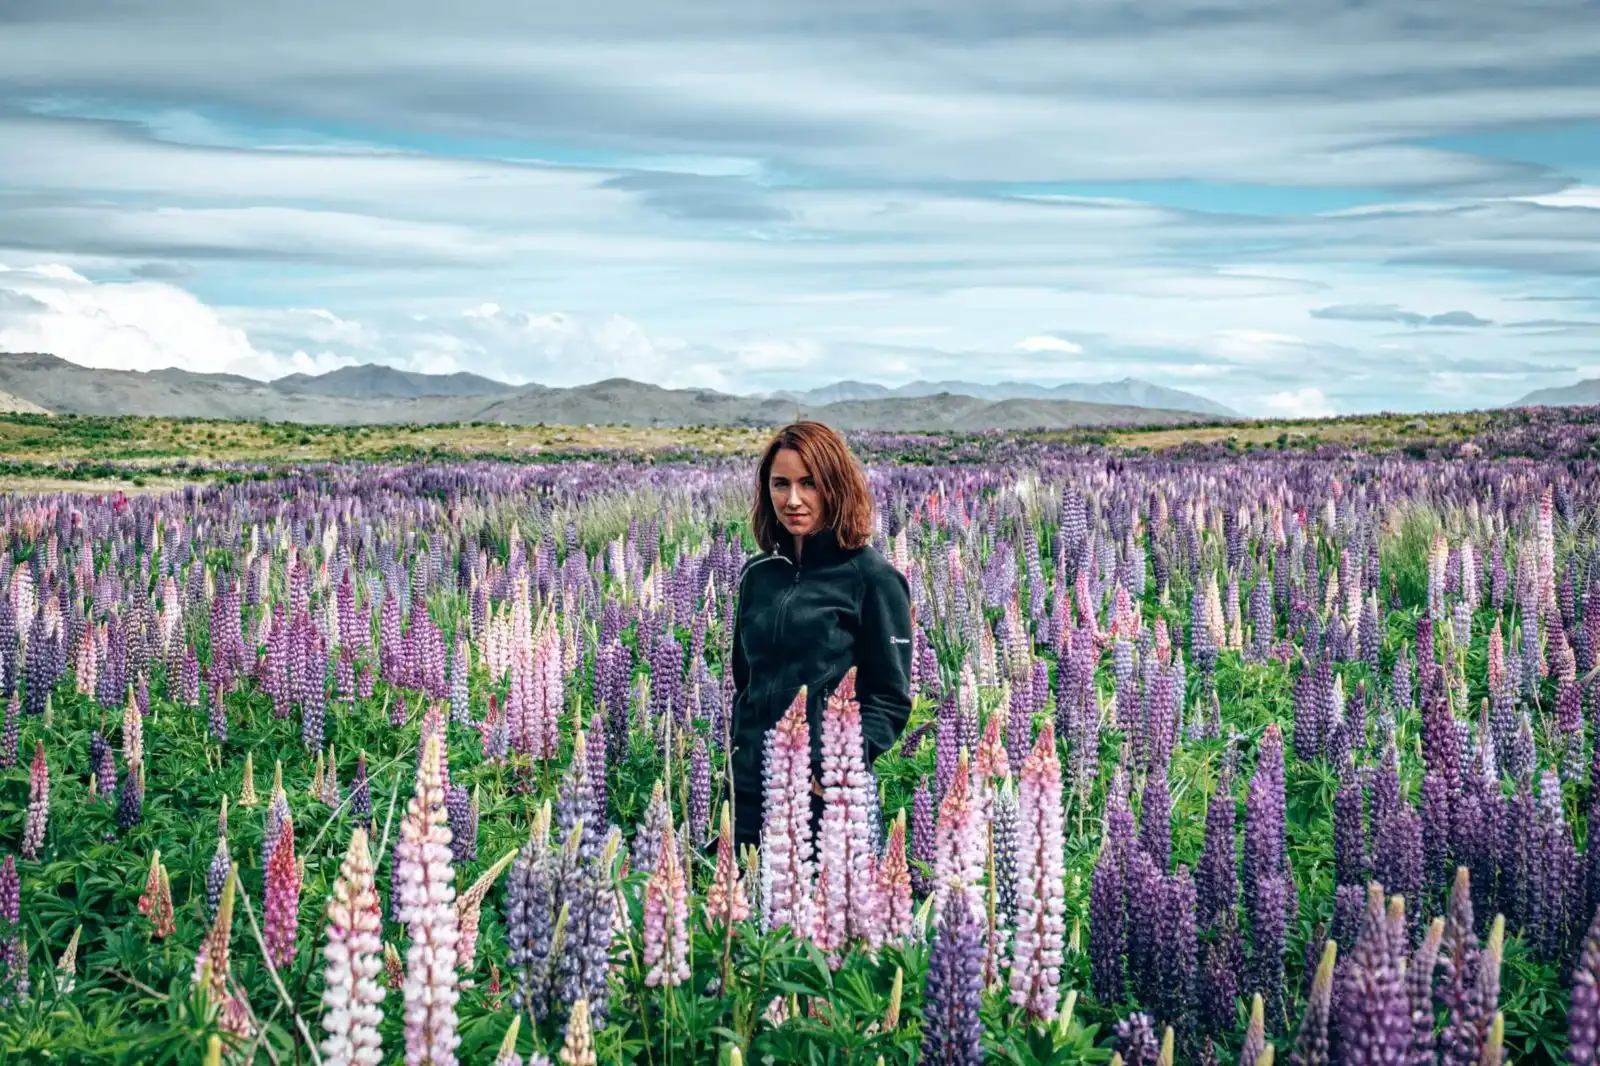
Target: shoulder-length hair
846, 497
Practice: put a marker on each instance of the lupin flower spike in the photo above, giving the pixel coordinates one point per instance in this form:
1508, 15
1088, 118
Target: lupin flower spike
67, 966
38, 805
247, 792
1038, 953
469, 908
578, 1050
507, 1055
725, 898
666, 905
351, 994
423, 879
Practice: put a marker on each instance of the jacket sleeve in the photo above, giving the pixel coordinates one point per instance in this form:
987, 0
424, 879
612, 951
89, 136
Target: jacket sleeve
883, 659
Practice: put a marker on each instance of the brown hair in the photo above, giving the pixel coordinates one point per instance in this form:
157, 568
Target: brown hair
846, 498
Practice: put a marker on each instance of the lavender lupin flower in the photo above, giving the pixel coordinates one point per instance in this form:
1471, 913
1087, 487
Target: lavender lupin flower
850, 809
1037, 954
786, 835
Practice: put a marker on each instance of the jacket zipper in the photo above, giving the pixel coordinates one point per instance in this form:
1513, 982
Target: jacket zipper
783, 605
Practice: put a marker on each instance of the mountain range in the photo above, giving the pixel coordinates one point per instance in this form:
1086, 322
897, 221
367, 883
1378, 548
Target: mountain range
1129, 392
1579, 394
373, 394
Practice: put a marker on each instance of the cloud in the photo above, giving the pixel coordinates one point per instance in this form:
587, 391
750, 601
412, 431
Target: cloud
1308, 402
1047, 343
129, 326
1394, 313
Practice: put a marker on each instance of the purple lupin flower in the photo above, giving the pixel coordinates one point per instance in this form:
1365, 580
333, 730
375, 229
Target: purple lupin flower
12, 733
1375, 1007
361, 795
461, 810
1221, 963
1134, 1038
1177, 951
1469, 987
1108, 910
1397, 852
1268, 883
130, 799
1217, 875
1349, 831
699, 807
1156, 818
1583, 1017
1419, 989
1311, 1042
952, 1031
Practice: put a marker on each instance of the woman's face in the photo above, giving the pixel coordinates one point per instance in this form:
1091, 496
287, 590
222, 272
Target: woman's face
795, 496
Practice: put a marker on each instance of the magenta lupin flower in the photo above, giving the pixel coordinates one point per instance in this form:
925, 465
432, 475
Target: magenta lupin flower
351, 993
1037, 953
282, 903
849, 806
38, 805
786, 838
725, 898
426, 891
666, 925
894, 882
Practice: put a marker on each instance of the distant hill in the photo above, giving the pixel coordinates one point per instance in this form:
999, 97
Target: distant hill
371, 381
1581, 394
381, 395
1129, 392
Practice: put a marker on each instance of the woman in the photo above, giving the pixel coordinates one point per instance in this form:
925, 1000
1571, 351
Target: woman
818, 600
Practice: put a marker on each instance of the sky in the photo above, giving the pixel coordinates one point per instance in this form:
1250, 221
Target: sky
1292, 207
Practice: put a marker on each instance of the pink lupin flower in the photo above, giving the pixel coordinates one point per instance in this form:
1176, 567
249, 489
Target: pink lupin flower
156, 902
666, 918
282, 903
849, 807
894, 882
990, 761
545, 717
1041, 904
786, 837
132, 733
725, 898
38, 805
959, 842
425, 884
824, 930
351, 994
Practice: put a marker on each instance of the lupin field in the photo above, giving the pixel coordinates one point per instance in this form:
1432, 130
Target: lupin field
1215, 758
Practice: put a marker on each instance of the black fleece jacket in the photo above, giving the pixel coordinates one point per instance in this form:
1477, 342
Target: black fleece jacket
808, 623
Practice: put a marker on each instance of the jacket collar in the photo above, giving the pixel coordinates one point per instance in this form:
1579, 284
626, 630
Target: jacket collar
821, 548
